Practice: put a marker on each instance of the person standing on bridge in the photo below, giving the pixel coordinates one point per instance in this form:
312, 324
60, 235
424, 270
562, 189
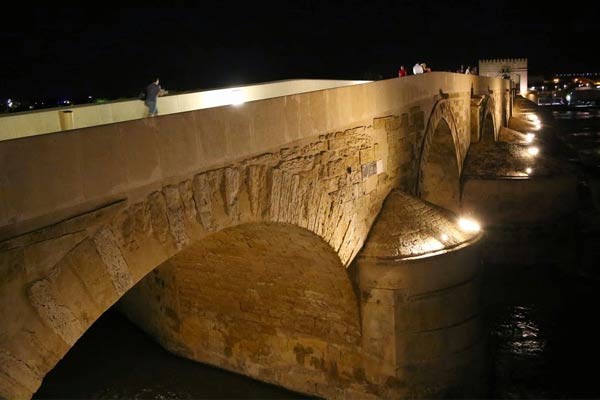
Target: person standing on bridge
418, 69
402, 71
153, 90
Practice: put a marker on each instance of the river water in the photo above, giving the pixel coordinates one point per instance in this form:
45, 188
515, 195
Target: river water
540, 322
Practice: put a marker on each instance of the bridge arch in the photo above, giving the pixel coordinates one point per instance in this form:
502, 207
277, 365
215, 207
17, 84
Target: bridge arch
251, 298
440, 163
106, 252
488, 125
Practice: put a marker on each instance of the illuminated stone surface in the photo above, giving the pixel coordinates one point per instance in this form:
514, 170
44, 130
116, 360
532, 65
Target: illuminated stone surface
89, 213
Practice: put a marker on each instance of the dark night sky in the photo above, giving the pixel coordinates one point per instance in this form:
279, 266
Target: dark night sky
113, 52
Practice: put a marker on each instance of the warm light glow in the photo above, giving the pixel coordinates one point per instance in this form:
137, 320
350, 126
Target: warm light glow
431, 244
533, 151
223, 97
532, 117
444, 237
556, 80
529, 137
528, 170
468, 225
237, 97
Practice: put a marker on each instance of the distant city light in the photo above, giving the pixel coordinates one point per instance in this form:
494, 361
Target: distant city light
528, 170
534, 151
9, 103
468, 225
556, 80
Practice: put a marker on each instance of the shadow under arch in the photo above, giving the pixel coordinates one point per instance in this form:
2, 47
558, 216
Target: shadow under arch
488, 124
257, 299
488, 130
439, 173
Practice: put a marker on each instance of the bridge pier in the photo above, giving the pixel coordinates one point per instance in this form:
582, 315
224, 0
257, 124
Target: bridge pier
419, 279
524, 196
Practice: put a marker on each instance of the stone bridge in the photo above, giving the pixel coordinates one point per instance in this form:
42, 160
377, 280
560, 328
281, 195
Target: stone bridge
298, 239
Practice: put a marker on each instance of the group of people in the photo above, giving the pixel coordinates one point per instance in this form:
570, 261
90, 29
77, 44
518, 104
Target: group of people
469, 70
421, 68
418, 68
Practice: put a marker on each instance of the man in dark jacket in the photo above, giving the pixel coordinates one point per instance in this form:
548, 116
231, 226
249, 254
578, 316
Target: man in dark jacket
153, 90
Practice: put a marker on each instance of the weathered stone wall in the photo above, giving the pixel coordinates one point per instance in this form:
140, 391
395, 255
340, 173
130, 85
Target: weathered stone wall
321, 161
272, 301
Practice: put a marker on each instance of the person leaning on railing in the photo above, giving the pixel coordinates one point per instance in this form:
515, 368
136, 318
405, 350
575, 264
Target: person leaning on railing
153, 91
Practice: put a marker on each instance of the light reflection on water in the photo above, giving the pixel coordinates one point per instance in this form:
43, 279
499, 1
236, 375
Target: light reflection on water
579, 130
579, 114
542, 340
522, 334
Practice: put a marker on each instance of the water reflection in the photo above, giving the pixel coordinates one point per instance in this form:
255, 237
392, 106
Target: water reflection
579, 131
578, 114
522, 334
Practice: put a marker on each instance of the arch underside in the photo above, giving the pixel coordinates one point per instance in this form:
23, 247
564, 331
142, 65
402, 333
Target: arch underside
488, 131
258, 299
440, 177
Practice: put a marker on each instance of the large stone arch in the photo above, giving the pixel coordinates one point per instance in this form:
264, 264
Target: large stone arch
60, 279
440, 161
259, 299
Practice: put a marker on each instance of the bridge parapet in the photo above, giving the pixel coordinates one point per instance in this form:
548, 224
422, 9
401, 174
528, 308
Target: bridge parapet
30, 123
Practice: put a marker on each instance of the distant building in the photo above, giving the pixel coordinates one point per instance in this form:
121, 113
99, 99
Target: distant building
513, 68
